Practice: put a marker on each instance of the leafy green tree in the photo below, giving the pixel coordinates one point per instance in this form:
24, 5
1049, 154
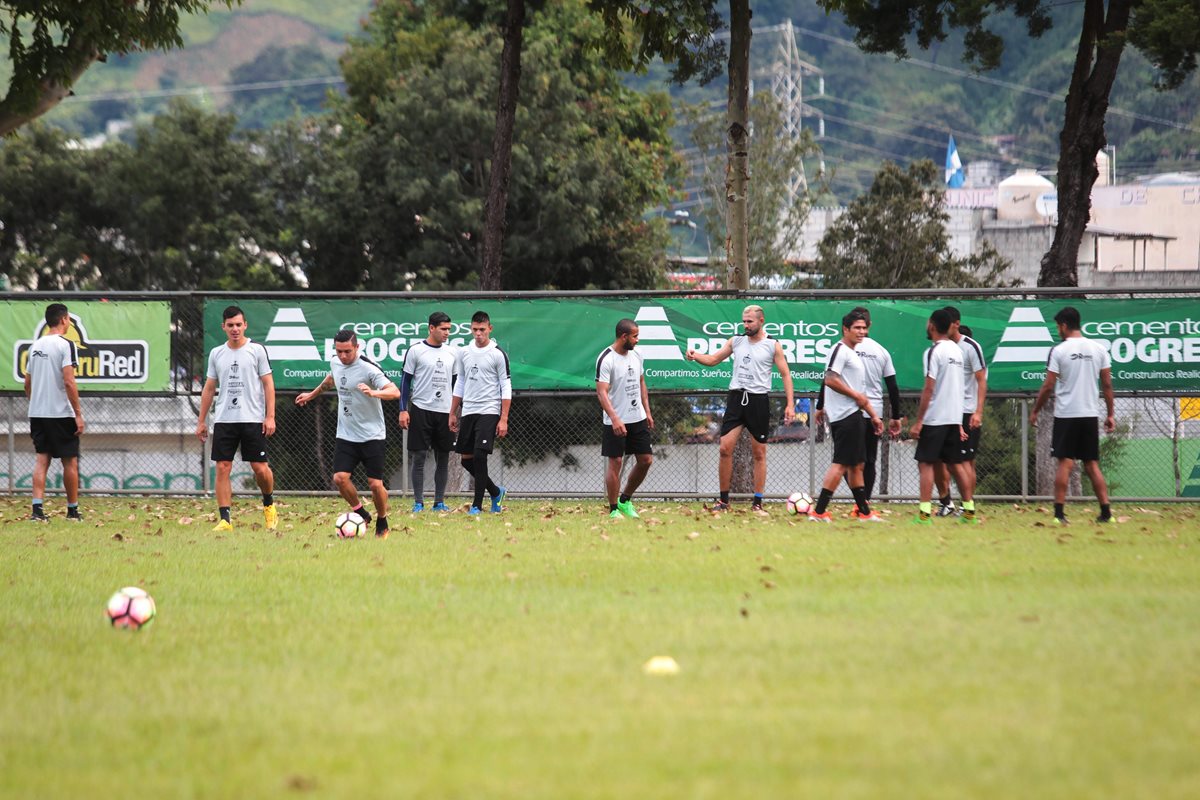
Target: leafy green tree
894, 236
260, 109
1167, 32
775, 218
53, 42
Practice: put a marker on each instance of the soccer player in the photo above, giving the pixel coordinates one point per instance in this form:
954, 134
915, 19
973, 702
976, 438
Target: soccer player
621, 388
245, 416
974, 394
1075, 365
846, 379
747, 405
425, 397
361, 386
482, 394
938, 429
55, 415
881, 371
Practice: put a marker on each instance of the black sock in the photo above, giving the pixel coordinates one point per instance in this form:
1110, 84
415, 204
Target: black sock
492, 488
860, 499
362, 512
624, 498
225, 513
1058, 510
481, 477
268, 499
945, 500
381, 524
612, 507
757, 501
724, 497
823, 500
1105, 511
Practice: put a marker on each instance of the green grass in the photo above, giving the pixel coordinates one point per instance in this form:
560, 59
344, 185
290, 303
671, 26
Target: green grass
501, 657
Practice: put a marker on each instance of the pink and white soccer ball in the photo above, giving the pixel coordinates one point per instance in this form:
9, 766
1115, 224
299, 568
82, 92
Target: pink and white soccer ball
799, 503
350, 525
131, 608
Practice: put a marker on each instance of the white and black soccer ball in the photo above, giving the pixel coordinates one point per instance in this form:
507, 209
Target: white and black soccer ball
131, 608
799, 503
350, 525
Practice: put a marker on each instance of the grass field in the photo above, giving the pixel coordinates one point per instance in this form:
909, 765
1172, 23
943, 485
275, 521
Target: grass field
502, 656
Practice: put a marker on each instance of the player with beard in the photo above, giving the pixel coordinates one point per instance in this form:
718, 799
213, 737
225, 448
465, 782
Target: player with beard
621, 389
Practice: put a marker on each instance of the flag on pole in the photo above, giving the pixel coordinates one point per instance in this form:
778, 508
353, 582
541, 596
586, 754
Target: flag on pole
955, 177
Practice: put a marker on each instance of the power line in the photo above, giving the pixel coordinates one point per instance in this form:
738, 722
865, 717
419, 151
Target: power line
228, 88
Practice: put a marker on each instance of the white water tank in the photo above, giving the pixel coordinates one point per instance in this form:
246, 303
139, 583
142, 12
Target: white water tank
1017, 196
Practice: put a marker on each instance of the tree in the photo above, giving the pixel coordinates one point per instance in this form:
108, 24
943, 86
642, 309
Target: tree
1167, 32
775, 220
894, 236
51, 44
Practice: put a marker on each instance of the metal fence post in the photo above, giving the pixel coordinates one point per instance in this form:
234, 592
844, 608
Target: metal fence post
12, 444
404, 461
1025, 448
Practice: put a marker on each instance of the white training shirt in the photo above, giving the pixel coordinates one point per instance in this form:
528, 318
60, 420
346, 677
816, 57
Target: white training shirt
944, 363
360, 418
483, 379
239, 373
973, 361
623, 374
752, 363
432, 370
845, 362
1077, 361
45, 362
877, 362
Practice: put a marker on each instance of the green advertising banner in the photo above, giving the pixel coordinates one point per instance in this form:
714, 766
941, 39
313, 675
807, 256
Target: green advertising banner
122, 345
553, 343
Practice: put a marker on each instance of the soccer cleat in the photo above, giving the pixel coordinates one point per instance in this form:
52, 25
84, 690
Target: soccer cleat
223, 525
721, 505
1103, 520
946, 511
757, 506
440, 506
872, 517
627, 509
1059, 521
381, 528
38, 518
968, 518
271, 515
922, 519
74, 516
474, 511
615, 514
418, 508
498, 499
813, 516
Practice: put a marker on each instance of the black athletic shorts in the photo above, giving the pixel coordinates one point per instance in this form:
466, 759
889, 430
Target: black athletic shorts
970, 447
1077, 438
849, 442
227, 437
751, 410
476, 432
636, 441
54, 435
347, 455
940, 443
429, 430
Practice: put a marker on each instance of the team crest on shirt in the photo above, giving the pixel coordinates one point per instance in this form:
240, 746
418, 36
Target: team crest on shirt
233, 368
343, 380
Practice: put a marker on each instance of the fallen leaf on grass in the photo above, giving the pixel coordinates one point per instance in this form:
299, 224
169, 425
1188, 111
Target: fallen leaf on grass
693, 535
1124, 518
186, 520
1029, 618
745, 612
768, 584
118, 537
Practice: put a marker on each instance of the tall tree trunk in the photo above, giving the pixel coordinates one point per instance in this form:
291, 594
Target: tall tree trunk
737, 169
502, 143
1101, 43
52, 93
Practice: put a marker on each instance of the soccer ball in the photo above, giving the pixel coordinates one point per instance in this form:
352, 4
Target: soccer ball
799, 503
131, 608
350, 525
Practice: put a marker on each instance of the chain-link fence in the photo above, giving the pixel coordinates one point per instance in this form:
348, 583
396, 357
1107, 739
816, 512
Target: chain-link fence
146, 443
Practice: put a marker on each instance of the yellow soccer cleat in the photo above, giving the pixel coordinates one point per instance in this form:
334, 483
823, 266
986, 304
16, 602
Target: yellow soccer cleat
223, 525
271, 515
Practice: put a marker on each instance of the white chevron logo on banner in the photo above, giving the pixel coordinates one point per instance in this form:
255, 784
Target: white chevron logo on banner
656, 338
290, 337
1027, 338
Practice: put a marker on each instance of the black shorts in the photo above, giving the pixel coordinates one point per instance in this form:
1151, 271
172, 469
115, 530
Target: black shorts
1077, 438
636, 441
971, 446
940, 443
429, 430
751, 410
54, 435
476, 432
347, 455
227, 437
849, 442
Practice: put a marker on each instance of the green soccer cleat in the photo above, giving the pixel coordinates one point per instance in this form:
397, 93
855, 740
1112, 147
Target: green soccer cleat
922, 519
627, 509
614, 514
